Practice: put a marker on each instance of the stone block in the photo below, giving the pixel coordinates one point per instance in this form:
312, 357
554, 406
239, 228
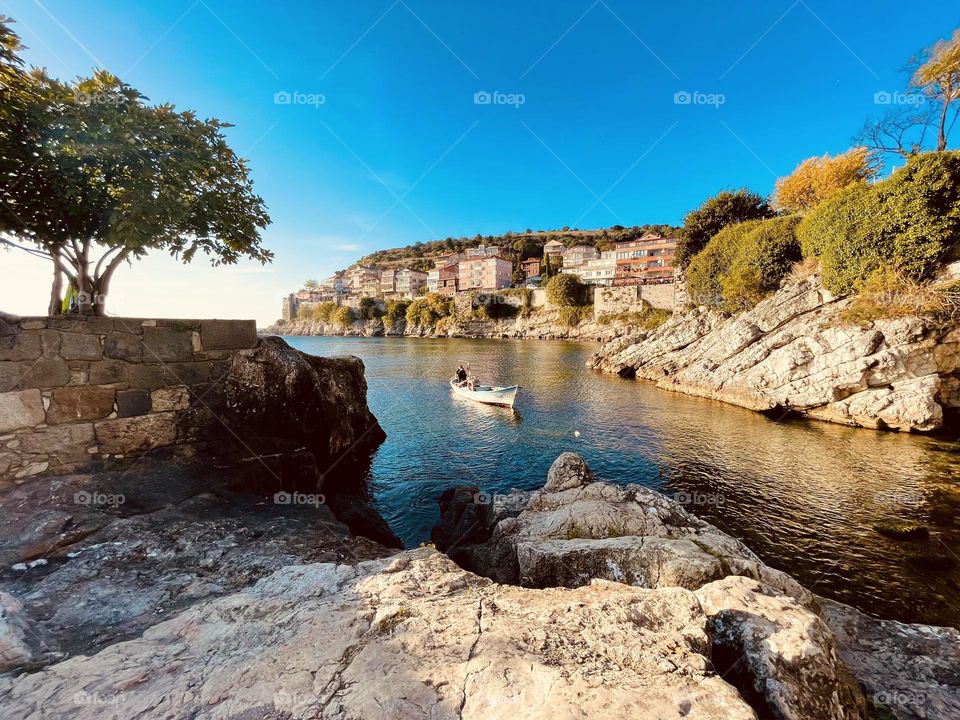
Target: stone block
21, 346
108, 371
131, 403
50, 340
153, 376
20, 409
228, 334
134, 434
80, 346
172, 398
35, 324
10, 373
45, 373
167, 344
67, 443
79, 403
123, 346
91, 325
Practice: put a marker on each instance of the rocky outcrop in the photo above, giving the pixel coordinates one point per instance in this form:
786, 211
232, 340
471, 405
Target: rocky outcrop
794, 352
409, 637
770, 636
96, 559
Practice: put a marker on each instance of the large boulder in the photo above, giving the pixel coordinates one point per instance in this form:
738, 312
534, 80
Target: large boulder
781, 656
411, 637
15, 648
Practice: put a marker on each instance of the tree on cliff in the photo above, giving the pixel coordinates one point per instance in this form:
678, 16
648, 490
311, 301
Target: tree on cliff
94, 176
816, 178
716, 213
931, 102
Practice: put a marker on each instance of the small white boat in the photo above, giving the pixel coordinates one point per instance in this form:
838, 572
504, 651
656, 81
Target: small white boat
503, 396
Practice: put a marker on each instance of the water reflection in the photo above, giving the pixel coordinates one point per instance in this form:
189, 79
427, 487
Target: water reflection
804, 495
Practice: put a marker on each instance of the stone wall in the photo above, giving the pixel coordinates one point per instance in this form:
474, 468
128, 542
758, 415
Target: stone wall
633, 297
74, 389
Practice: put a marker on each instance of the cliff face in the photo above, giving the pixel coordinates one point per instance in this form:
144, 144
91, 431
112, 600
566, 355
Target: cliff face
794, 352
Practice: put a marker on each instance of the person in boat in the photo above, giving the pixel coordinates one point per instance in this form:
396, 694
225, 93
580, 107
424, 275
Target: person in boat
461, 375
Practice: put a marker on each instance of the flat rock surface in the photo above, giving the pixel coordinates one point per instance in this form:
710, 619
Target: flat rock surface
412, 636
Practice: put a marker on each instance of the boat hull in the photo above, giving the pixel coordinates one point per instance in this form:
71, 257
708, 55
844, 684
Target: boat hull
501, 396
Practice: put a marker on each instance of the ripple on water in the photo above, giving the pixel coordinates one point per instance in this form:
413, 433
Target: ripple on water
803, 495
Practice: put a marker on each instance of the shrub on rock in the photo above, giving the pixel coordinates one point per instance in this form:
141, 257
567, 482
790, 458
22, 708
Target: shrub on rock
907, 222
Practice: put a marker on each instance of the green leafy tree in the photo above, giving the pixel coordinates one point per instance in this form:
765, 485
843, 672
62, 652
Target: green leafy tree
565, 290
716, 213
310, 284
344, 316
115, 178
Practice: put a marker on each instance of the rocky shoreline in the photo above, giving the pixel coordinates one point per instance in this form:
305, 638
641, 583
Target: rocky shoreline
587, 599
543, 325
795, 353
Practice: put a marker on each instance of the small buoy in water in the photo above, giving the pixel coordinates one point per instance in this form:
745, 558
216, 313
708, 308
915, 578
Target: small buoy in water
576, 433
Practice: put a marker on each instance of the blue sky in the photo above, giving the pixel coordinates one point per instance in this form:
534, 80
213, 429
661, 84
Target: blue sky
399, 150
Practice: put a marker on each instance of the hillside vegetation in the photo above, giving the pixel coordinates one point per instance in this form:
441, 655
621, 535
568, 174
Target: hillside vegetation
527, 244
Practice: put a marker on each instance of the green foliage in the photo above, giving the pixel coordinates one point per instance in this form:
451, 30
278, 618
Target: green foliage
322, 312
762, 260
710, 264
344, 316
572, 315
647, 319
907, 222
396, 311
716, 213
368, 309
565, 291
111, 173
429, 310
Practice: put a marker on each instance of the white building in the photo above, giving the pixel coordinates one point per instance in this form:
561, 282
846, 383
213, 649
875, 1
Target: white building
579, 254
409, 282
596, 271
433, 280
485, 274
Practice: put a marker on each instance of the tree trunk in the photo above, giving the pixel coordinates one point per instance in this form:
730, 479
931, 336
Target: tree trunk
56, 289
941, 134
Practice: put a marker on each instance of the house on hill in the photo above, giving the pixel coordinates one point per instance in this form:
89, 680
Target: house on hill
554, 247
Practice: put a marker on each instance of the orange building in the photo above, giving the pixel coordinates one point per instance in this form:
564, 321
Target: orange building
647, 260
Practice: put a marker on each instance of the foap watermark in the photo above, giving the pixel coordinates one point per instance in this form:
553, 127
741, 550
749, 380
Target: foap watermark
98, 498
293, 701
696, 498
298, 498
894, 698
99, 98
283, 97
81, 697
512, 500
685, 97
483, 97
897, 97
899, 498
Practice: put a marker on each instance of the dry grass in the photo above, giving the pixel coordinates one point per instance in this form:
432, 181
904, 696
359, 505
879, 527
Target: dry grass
890, 294
803, 270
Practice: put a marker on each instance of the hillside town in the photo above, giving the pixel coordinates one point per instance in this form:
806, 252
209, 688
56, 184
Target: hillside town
647, 260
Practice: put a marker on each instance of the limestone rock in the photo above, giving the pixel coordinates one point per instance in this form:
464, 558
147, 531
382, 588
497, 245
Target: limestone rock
411, 637
15, 650
908, 672
794, 352
567, 472
780, 655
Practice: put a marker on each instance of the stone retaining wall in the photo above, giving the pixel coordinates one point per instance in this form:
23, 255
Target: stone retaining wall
75, 389
633, 297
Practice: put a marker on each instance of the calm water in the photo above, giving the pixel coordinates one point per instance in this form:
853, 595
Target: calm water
801, 494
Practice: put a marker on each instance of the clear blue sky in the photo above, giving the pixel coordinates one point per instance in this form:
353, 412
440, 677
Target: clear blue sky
400, 152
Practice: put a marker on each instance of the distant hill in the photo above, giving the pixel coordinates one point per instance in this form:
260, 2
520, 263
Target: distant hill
421, 255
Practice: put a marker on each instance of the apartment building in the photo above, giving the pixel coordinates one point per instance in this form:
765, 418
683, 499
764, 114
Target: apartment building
485, 273
579, 254
409, 282
596, 271
362, 280
646, 260
449, 279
